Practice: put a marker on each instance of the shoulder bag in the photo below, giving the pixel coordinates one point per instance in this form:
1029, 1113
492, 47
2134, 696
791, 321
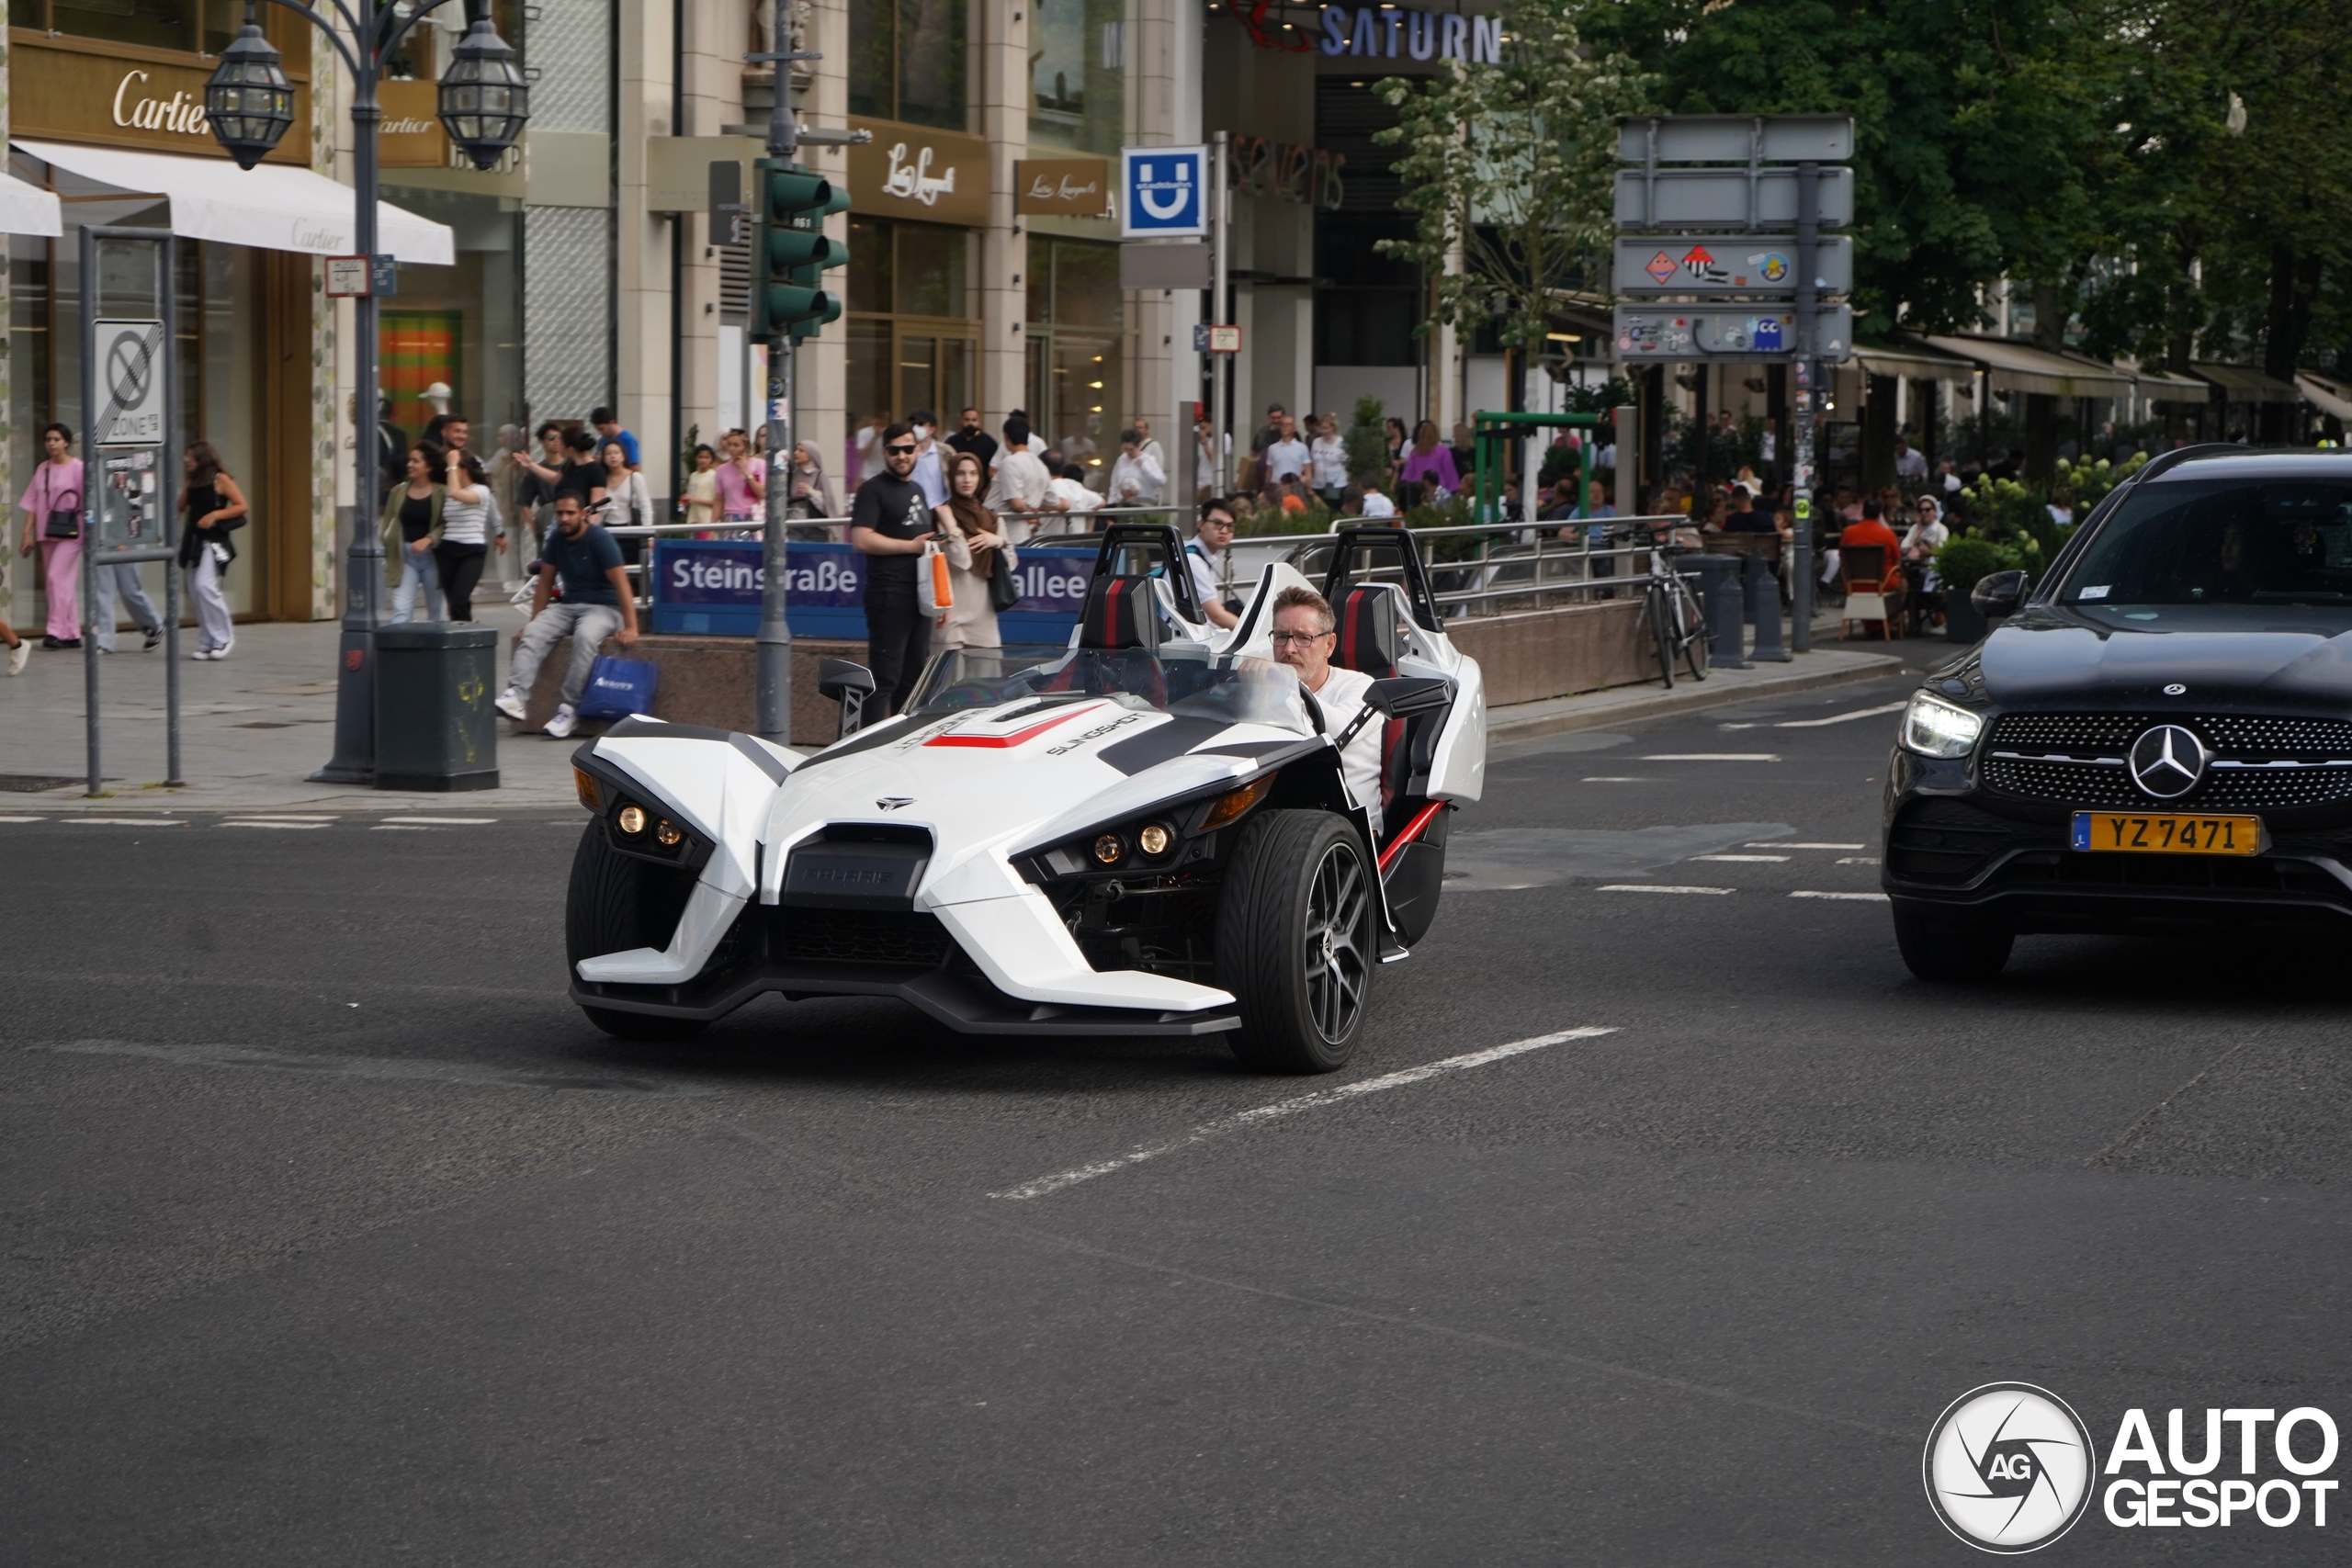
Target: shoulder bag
64, 522
1004, 589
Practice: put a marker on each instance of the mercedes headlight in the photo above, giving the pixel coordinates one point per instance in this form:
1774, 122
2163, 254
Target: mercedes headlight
1934, 728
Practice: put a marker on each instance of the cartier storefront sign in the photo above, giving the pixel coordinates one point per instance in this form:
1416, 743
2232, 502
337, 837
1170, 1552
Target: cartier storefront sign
73, 89
915, 172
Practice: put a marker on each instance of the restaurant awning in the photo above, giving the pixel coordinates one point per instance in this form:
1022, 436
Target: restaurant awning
2161, 386
2328, 396
28, 209
2240, 385
271, 206
1912, 359
2013, 366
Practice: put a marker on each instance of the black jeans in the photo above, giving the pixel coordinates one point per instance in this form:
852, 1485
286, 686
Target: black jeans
898, 643
460, 569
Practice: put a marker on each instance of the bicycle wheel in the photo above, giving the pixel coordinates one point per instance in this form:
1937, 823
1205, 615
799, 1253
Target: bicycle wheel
1694, 634
1661, 619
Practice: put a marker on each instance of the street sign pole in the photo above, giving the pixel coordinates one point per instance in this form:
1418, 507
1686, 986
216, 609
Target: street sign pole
1801, 545
1221, 302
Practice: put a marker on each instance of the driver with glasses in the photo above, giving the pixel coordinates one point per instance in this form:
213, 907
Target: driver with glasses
1305, 634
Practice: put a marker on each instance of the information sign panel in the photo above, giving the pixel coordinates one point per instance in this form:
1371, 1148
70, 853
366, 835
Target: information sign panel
131, 498
1728, 198
1737, 138
1730, 263
1163, 192
1664, 333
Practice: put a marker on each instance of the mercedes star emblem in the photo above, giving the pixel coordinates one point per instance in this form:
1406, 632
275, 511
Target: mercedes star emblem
892, 802
2167, 761
2176, 689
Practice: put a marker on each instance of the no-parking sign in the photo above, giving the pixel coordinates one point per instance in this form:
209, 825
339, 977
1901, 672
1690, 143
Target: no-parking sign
1164, 192
131, 366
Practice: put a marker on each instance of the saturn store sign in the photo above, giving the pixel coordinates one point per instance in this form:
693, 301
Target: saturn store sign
914, 172
73, 89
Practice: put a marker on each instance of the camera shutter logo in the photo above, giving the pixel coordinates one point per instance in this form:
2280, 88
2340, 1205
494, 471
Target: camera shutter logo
2008, 1468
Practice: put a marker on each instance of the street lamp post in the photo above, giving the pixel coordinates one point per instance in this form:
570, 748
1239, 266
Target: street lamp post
485, 101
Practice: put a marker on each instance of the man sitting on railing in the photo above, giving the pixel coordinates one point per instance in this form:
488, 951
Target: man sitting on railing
597, 602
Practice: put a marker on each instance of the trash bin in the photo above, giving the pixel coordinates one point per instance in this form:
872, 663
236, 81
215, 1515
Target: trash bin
1718, 591
434, 727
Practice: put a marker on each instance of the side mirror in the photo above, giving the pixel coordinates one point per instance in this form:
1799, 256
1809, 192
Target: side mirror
1999, 594
1402, 696
849, 684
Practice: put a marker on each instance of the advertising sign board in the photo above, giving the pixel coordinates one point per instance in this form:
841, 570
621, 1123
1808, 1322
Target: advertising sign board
1729, 264
1672, 332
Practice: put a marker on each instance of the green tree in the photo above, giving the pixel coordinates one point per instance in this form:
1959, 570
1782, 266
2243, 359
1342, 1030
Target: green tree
1507, 170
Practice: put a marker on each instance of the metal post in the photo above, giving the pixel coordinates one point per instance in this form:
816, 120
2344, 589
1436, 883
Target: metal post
774, 690
90, 584
355, 694
167, 269
1221, 302
1801, 546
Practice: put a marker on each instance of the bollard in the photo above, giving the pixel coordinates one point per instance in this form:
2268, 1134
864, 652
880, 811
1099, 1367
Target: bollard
1764, 611
1718, 587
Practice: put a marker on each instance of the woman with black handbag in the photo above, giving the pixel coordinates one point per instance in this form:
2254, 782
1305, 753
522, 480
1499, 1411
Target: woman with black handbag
981, 563
215, 508
52, 507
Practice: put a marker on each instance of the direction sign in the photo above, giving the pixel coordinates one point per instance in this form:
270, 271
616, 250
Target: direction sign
1730, 263
1728, 198
1654, 332
130, 363
1738, 138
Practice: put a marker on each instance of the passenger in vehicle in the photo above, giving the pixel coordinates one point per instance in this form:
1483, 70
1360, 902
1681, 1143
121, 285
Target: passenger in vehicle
1206, 559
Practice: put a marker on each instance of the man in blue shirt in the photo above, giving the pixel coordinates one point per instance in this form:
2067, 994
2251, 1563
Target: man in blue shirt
609, 429
597, 602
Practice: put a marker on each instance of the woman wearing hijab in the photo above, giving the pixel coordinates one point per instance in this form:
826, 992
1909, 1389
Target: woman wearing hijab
811, 494
976, 550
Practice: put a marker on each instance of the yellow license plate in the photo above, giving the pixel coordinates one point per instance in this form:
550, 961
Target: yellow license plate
2169, 833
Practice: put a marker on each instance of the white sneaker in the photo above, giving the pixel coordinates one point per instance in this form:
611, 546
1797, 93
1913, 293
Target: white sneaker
564, 721
223, 651
510, 703
204, 653
17, 657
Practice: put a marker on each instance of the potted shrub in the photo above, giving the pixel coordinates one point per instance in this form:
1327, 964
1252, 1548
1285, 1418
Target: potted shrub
1964, 561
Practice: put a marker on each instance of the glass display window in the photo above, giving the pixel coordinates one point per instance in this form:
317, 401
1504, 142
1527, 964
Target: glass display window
909, 61
1077, 348
1077, 75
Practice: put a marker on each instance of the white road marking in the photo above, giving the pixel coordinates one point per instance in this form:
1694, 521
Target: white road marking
126, 821
1710, 757
23, 819
1241, 1121
1653, 888
1793, 844
1842, 717
1857, 898
249, 823
1616, 778
1858, 860
440, 821
1774, 860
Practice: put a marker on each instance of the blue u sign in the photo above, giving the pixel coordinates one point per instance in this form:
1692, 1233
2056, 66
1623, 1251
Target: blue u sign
1165, 191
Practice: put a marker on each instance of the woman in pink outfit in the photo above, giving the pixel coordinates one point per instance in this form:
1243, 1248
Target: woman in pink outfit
743, 487
57, 488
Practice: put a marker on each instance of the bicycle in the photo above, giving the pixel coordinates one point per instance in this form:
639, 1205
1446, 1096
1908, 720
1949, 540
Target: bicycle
1677, 623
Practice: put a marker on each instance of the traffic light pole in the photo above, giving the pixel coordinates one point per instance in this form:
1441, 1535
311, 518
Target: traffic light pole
775, 689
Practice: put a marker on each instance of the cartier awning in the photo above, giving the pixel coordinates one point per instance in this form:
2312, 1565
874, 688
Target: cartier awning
272, 207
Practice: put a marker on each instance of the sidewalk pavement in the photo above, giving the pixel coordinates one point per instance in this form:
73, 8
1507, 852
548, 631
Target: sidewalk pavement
253, 726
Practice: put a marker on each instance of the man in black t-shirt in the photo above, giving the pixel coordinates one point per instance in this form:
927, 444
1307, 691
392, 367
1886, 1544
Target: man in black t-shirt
978, 442
888, 522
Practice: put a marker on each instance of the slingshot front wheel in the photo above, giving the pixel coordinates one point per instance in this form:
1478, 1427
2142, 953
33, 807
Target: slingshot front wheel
1295, 943
615, 902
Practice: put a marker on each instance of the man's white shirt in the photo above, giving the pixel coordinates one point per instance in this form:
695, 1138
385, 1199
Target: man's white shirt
1147, 477
1340, 700
1285, 457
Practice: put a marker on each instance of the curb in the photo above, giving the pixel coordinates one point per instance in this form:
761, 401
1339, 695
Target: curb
1593, 710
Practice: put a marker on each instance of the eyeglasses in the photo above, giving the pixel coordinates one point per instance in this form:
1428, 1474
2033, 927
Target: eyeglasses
1298, 639
900, 451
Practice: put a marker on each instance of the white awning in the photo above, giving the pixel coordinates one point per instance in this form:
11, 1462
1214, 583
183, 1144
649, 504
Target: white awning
2328, 396
271, 206
28, 209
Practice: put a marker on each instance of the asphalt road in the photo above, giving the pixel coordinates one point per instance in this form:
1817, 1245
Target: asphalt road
334, 1236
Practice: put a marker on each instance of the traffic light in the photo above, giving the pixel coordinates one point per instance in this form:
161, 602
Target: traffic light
790, 251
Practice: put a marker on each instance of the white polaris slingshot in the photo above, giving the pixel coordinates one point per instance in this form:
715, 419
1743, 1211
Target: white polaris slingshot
1143, 833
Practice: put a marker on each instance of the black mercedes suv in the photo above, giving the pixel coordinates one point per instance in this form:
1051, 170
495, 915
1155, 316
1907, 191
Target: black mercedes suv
2156, 738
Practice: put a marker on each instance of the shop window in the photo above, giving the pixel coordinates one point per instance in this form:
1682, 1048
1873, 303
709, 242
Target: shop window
912, 339
1077, 77
906, 62
1077, 350
187, 25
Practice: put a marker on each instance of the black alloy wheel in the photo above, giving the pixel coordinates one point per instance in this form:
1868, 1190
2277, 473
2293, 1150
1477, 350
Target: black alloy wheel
617, 903
1295, 940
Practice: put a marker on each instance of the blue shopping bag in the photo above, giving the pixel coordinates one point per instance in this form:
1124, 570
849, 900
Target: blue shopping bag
619, 687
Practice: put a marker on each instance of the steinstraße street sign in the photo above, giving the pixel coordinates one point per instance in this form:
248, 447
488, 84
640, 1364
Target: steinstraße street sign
130, 367
1754, 331
1728, 264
